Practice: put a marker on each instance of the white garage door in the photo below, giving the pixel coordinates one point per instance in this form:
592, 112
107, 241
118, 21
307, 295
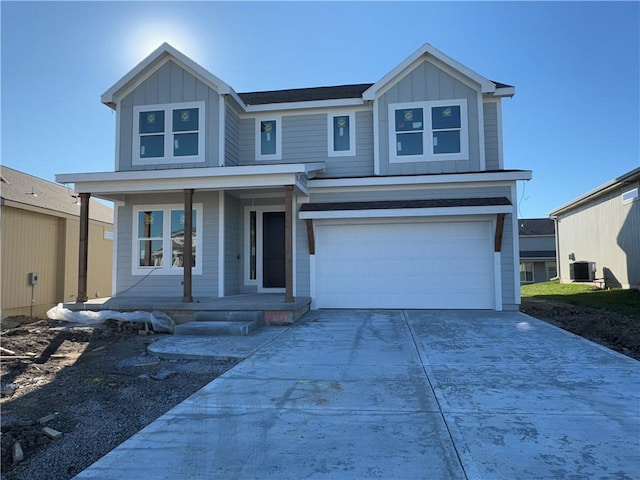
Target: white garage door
405, 265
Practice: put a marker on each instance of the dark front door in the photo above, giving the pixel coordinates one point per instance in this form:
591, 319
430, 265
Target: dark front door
273, 250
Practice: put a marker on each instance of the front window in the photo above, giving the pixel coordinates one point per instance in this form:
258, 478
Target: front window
160, 239
169, 133
428, 131
526, 272
341, 135
269, 139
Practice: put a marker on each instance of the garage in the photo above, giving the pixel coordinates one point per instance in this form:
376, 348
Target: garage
404, 263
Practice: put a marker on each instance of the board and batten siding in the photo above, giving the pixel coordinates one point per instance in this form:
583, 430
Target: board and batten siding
426, 82
604, 231
169, 84
156, 284
305, 139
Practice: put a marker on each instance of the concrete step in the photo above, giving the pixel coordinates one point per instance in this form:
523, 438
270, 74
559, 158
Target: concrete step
215, 328
229, 316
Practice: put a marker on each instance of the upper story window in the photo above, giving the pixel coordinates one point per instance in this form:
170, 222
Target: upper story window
269, 138
630, 196
172, 133
341, 134
428, 131
159, 239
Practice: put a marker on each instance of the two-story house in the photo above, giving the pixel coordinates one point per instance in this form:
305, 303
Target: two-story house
537, 250
384, 195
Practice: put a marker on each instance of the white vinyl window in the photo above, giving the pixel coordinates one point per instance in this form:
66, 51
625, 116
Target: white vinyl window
171, 133
428, 131
526, 272
269, 138
630, 196
341, 133
159, 239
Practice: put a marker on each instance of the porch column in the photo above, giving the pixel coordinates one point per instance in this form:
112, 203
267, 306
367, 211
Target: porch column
187, 258
288, 243
83, 250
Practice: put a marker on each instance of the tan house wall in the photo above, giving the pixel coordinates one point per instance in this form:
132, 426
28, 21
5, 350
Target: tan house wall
48, 245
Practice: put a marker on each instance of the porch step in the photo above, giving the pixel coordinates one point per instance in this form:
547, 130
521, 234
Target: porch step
212, 329
209, 323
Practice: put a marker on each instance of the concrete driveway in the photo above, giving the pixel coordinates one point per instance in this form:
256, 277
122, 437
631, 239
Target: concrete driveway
401, 395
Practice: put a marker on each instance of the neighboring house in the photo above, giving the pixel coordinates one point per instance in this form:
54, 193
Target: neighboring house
39, 237
391, 194
599, 234
537, 250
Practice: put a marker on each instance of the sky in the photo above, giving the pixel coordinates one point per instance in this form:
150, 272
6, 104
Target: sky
574, 120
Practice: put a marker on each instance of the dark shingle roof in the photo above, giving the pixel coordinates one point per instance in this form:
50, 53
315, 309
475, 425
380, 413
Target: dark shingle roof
536, 226
25, 189
304, 94
390, 204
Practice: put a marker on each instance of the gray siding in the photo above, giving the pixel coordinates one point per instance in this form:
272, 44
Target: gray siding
305, 139
232, 246
491, 139
231, 137
606, 232
169, 84
303, 265
155, 285
538, 242
428, 83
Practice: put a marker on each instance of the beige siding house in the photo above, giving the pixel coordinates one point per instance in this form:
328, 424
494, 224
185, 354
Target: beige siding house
39, 232
600, 231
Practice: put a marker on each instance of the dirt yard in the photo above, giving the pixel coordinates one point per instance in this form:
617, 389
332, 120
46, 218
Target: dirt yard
93, 387
613, 330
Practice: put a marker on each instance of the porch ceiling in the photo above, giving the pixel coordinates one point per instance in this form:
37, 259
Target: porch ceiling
114, 185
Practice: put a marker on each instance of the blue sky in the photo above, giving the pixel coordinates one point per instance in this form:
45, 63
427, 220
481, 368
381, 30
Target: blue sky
574, 120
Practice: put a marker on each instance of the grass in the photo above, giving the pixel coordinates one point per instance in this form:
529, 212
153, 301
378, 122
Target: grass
626, 302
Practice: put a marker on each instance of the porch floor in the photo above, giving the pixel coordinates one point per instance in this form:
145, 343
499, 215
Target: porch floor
276, 311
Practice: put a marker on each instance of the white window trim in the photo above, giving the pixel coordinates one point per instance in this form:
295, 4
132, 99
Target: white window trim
258, 281
533, 270
278, 154
168, 134
352, 134
427, 133
632, 199
166, 268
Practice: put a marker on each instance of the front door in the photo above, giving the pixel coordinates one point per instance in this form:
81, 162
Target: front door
273, 256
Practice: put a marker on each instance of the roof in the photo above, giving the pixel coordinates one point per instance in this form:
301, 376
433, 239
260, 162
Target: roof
536, 226
304, 94
363, 91
395, 204
630, 177
22, 189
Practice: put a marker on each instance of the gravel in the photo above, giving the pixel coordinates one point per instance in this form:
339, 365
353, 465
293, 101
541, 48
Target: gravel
103, 389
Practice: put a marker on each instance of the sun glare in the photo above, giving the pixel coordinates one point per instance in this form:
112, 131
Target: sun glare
149, 36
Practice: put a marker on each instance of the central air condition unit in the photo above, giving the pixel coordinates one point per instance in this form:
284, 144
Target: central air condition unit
582, 271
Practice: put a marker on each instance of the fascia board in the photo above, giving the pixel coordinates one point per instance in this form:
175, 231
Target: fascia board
175, 184
190, 172
270, 107
618, 182
152, 62
407, 212
371, 93
421, 179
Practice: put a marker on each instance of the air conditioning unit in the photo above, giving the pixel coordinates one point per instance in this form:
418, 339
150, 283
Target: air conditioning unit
582, 271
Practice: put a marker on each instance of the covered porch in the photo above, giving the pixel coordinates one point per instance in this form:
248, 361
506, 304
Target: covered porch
289, 181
